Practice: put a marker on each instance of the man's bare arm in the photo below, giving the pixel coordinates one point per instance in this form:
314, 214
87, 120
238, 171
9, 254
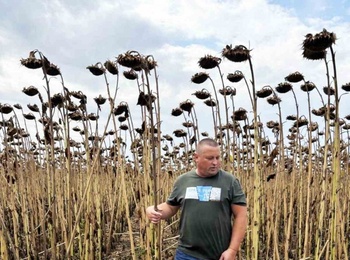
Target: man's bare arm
165, 211
239, 228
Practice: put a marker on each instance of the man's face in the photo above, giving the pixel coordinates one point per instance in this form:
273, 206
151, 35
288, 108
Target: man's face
208, 161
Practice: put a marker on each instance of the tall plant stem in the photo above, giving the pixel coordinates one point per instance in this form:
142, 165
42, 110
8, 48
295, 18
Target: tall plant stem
50, 164
155, 158
336, 167
256, 222
217, 112
319, 231
309, 180
227, 118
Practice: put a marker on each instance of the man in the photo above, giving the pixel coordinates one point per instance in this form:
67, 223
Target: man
208, 197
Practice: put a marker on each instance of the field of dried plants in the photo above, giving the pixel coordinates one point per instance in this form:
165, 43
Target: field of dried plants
64, 197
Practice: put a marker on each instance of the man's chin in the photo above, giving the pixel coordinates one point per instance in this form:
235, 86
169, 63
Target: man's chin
213, 171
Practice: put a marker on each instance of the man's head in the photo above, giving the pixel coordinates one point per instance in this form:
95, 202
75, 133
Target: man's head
207, 157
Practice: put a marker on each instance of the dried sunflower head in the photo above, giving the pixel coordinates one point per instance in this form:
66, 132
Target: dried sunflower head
291, 117
30, 91
204, 134
72, 107
346, 87
202, 94
78, 94
176, 112
210, 102
237, 54
264, 92
131, 59
52, 70
308, 86
272, 124
346, 127
168, 138
18, 106
130, 74
75, 116
329, 91
124, 127
200, 77
227, 91
33, 108
240, 114
294, 77
319, 41
300, 122
314, 55
209, 62
6, 108
111, 67
92, 116
120, 109
318, 112
273, 100
236, 76
32, 62
150, 63
100, 100
96, 69
146, 100
284, 87
187, 105
179, 133
122, 119
57, 100
187, 124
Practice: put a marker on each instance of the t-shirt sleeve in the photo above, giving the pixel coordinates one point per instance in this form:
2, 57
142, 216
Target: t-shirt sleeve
174, 197
237, 195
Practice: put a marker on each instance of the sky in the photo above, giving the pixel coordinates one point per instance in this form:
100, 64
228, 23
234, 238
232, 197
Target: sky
75, 34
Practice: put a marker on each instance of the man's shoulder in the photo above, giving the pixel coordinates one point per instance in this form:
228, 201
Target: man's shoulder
186, 175
227, 175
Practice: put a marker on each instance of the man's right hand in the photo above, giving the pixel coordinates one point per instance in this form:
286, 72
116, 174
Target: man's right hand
153, 215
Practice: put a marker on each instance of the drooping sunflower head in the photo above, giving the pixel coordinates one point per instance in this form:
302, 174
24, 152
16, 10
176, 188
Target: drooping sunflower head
294, 77
264, 92
202, 94
237, 54
6, 108
187, 105
32, 62
111, 67
131, 59
96, 69
236, 76
273, 100
100, 100
30, 91
314, 55
284, 87
308, 86
346, 87
209, 62
320, 41
200, 77
227, 91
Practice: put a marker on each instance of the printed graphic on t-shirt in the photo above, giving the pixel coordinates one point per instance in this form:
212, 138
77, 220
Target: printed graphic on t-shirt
203, 193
